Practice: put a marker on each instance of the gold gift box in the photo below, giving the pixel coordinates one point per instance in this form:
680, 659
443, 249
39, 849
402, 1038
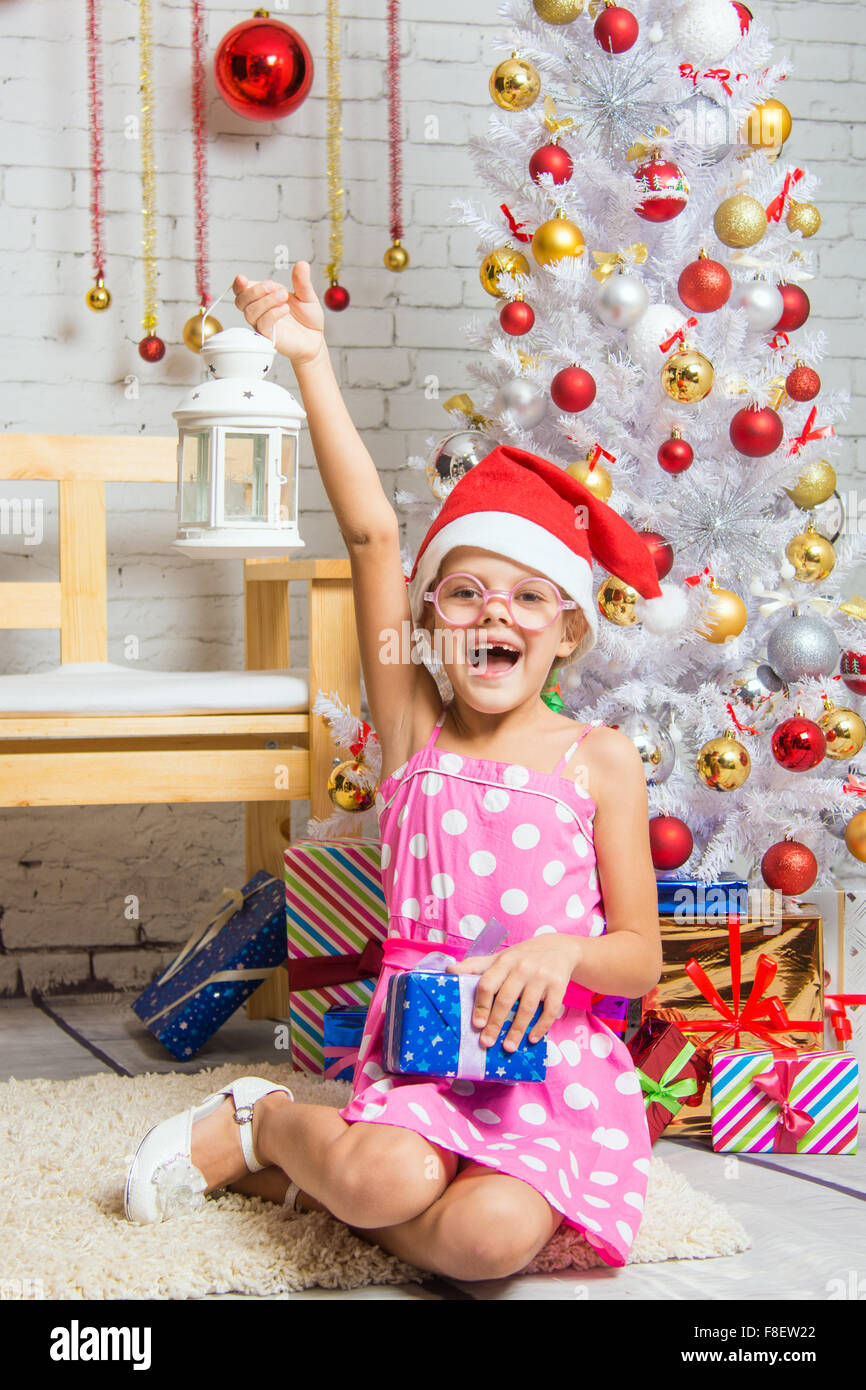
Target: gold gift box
794, 943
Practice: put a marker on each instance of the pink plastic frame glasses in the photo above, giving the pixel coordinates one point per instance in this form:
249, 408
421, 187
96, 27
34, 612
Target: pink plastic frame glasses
432, 596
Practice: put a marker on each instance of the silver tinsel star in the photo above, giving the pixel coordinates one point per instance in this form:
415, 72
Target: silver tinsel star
621, 98
723, 520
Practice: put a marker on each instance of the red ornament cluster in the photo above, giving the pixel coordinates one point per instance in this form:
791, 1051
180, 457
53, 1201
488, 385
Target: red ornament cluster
573, 389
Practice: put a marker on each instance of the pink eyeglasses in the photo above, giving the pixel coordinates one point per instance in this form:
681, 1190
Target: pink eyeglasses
460, 599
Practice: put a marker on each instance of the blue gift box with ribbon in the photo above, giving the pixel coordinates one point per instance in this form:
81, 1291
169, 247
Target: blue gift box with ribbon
218, 968
342, 1031
692, 897
428, 1028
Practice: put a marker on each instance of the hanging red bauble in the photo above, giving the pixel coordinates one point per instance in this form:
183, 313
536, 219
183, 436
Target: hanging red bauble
675, 455
572, 389
151, 348
336, 297
852, 668
661, 550
796, 309
789, 867
517, 317
671, 841
664, 188
263, 68
802, 383
704, 285
756, 432
798, 744
745, 15
552, 159
615, 29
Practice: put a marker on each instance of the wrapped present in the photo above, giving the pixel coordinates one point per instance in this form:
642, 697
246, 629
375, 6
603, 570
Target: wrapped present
612, 1009
724, 981
342, 1031
843, 915
692, 897
785, 1102
670, 1070
429, 1030
336, 921
218, 968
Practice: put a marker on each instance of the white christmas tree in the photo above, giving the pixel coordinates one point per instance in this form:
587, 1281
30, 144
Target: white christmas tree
634, 157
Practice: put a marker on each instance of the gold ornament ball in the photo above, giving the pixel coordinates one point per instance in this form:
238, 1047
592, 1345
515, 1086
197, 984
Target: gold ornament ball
514, 84
855, 836
815, 484
768, 126
688, 376
503, 260
616, 601
727, 616
396, 257
347, 786
812, 556
98, 297
740, 220
803, 217
844, 731
596, 480
556, 239
723, 763
192, 330
557, 11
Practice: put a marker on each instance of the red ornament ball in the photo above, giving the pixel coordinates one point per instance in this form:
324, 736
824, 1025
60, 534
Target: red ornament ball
789, 867
853, 671
704, 285
745, 15
263, 69
552, 159
616, 29
661, 551
796, 310
802, 383
573, 389
671, 841
798, 744
664, 189
756, 432
517, 317
675, 455
336, 297
151, 348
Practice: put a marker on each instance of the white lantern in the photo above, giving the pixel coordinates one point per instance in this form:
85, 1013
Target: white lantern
237, 455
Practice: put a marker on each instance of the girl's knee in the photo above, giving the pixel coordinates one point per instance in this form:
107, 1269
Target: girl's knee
380, 1175
493, 1232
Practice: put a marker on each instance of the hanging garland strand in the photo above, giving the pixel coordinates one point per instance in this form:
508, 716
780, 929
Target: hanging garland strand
202, 325
336, 296
151, 348
396, 257
98, 297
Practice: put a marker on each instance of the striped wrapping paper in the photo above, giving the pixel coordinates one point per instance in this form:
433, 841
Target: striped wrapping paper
335, 905
746, 1120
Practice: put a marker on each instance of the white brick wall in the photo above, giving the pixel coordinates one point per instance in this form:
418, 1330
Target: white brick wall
64, 873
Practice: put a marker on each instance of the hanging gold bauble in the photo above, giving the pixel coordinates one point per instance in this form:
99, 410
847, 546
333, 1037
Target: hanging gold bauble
98, 297
803, 217
347, 786
812, 556
723, 763
556, 239
514, 84
843, 730
727, 616
768, 126
557, 11
616, 601
855, 836
688, 375
815, 484
596, 479
192, 330
740, 220
503, 260
396, 257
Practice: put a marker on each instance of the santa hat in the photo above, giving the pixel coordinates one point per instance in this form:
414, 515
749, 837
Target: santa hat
516, 504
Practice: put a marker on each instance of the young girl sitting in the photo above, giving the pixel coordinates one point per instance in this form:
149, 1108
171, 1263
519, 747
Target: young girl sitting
488, 806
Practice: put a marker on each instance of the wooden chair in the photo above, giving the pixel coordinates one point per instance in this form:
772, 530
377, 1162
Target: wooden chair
265, 758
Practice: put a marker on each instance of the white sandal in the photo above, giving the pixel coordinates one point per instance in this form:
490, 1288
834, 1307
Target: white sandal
162, 1180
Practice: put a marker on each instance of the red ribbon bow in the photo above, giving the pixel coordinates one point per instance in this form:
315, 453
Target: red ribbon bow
835, 1004
321, 972
680, 333
693, 579
777, 206
808, 434
521, 236
718, 74
599, 452
794, 1122
358, 746
855, 786
743, 728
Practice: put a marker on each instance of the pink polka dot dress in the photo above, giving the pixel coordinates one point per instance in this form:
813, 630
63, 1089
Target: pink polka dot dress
465, 839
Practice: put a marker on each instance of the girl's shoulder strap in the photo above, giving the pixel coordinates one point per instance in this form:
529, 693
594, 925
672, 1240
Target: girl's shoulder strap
593, 724
581, 736
434, 733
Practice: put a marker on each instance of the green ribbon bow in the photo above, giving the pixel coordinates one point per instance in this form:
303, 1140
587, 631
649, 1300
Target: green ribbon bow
552, 697
666, 1091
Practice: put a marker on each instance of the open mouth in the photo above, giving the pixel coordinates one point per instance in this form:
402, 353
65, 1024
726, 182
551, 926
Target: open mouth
492, 658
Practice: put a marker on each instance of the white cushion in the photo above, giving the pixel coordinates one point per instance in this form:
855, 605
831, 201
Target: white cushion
100, 687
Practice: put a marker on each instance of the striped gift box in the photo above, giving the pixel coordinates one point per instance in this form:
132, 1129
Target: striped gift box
824, 1085
335, 906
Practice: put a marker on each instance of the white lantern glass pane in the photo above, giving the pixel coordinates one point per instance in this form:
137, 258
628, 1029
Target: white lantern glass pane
194, 484
288, 467
246, 475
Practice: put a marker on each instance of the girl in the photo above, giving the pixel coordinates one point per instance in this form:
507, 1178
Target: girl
488, 806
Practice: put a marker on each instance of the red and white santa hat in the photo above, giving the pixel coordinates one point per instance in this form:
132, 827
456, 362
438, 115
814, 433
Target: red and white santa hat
516, 504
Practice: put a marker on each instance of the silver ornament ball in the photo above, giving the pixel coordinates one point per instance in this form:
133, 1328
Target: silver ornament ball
802, 645
526, 401
755, 686
454, 456
834, 821
762, 302
622, 300
653, 742
706, 128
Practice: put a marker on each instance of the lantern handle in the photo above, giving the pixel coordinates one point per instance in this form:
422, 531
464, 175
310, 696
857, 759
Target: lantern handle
228, 290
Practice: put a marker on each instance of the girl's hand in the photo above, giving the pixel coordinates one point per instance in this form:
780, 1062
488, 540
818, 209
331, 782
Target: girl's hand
296, 314
531, 971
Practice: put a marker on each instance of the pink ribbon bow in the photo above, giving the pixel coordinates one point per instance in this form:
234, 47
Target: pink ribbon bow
794, 1121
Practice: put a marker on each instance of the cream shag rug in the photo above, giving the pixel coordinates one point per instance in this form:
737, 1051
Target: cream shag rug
65, 1147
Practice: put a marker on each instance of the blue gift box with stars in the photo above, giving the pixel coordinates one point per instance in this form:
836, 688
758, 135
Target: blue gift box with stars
428, 1032
217, 969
